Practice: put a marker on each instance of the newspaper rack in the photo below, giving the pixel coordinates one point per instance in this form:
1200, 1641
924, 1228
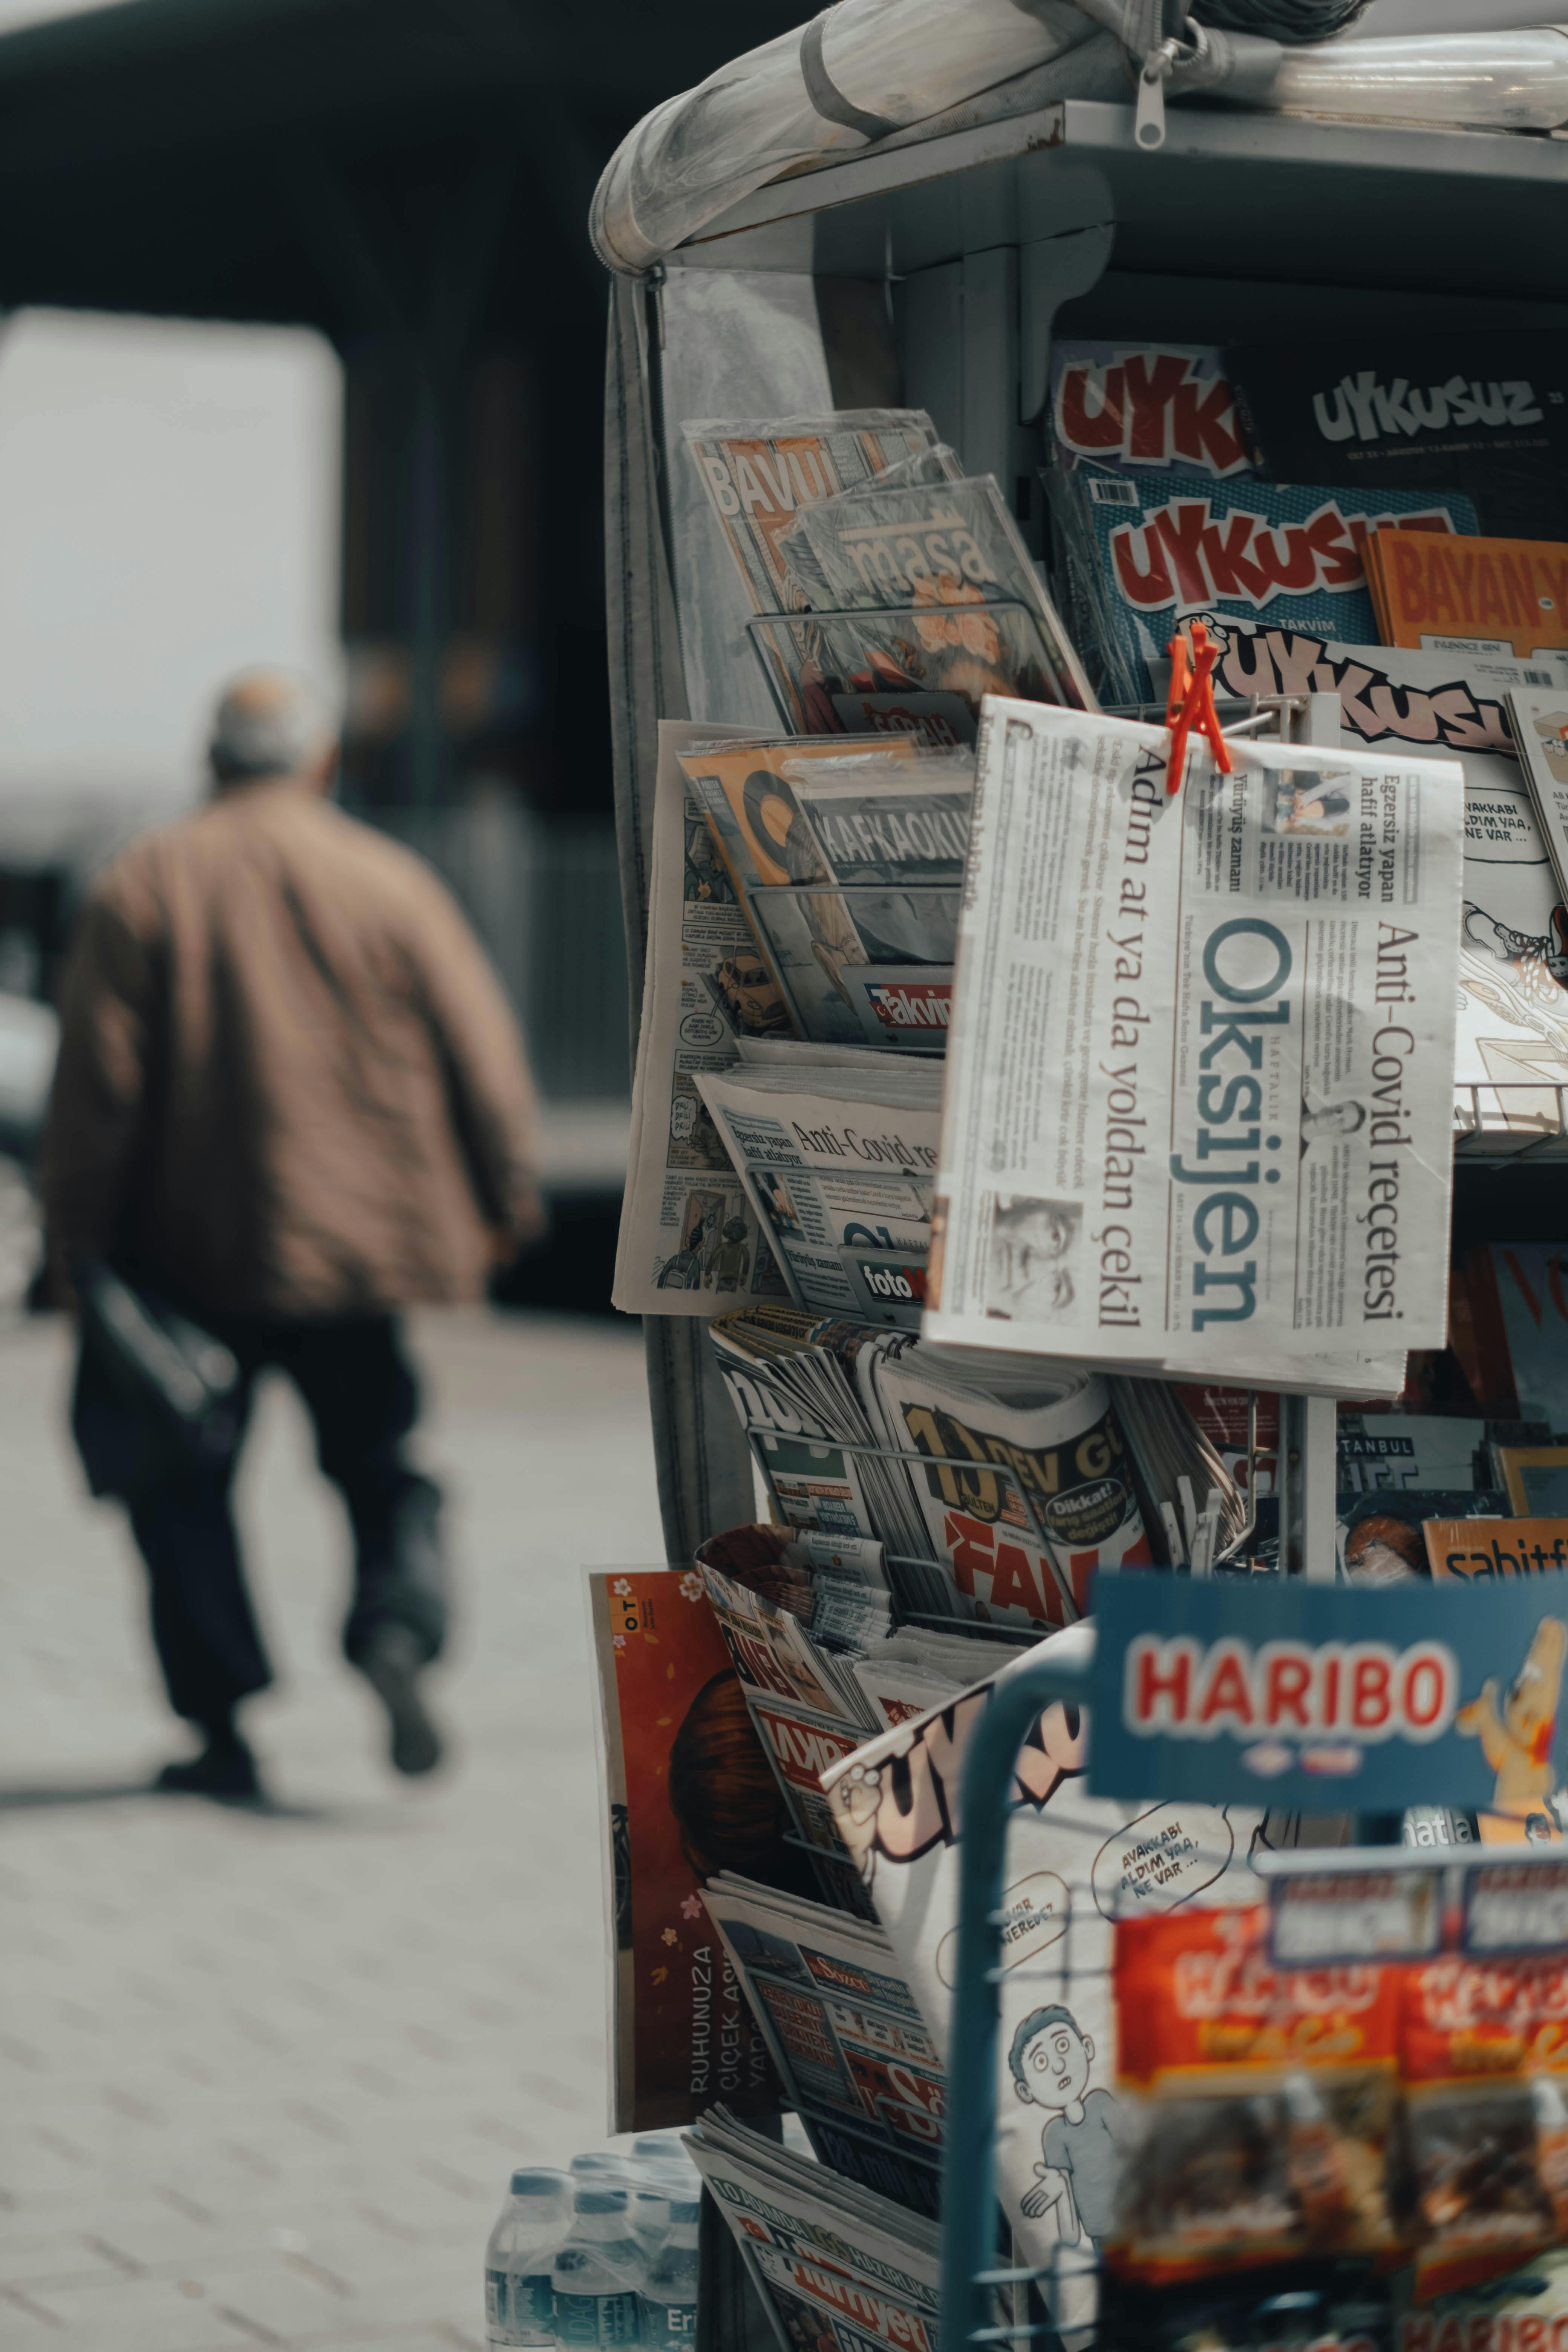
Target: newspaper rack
1230, 1557
930, 270
914, 704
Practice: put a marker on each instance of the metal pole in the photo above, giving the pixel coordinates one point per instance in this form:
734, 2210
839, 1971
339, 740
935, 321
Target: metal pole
968, 2168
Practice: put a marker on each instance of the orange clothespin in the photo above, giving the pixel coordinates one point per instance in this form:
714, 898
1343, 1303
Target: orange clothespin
1191, 703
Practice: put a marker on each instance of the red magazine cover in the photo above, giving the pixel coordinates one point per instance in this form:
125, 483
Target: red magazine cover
688, 1792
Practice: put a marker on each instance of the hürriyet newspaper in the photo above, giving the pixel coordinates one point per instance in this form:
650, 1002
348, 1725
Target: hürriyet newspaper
1202, 1056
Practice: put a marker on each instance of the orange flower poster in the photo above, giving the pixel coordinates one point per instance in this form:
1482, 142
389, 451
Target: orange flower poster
689, 1793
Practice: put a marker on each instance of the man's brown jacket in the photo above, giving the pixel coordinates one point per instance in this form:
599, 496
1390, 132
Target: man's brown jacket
289, 1082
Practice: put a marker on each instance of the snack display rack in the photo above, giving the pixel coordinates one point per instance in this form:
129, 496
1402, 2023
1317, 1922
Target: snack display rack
930, 272
972, 2273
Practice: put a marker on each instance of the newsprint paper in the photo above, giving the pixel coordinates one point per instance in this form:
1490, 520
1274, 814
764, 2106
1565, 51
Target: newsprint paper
1202, 1056
689, 1241
1075, 1864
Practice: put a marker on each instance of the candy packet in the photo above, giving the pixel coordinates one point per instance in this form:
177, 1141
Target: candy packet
1483, 2054
1264, 2102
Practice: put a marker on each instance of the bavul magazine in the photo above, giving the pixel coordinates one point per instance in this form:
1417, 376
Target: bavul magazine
759, 474
676, 1751
1199, 1105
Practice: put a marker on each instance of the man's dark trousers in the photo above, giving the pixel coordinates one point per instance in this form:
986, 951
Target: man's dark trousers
362, 1399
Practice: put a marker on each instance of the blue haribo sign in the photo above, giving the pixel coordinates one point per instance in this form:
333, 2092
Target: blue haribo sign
1315, 1696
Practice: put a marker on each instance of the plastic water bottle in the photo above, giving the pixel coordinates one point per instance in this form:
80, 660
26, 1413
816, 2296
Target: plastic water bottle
597, 2275
668, 2294
518, 2303
647, 2210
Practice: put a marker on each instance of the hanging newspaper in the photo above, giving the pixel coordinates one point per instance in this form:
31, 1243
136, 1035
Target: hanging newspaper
689, 1241
760, 473
837, 1167
1203, 1057
1513, 1010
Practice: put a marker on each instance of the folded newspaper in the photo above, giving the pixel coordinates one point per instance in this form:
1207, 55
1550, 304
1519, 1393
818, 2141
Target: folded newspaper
1029, 1486
844, 2033
692, 1239
689, 1239
919, 670
1540, 731
805, 1620
837, 1165
839, 2268
1075, 1864
1453, 705
1201, 1080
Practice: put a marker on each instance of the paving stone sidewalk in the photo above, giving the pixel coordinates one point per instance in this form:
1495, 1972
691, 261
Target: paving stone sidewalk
262, 2075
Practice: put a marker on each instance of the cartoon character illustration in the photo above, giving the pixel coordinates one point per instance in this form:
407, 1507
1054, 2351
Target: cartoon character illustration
1051, 2061
1553, 733
706, 882
1516, 1730
774, 820
684, 1268
729, 1259
749, 995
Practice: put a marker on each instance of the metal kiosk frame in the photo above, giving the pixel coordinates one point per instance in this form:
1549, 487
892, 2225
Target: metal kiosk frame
931, 272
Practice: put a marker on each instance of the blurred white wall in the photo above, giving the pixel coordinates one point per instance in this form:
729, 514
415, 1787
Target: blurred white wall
169, 512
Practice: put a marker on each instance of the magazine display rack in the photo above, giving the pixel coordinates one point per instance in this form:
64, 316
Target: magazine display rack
929, 272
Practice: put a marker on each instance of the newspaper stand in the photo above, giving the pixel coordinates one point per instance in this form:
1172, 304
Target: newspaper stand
929, 272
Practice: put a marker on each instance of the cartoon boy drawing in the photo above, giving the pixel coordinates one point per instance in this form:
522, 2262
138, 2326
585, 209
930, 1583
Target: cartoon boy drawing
1516, 1732
1082, 2142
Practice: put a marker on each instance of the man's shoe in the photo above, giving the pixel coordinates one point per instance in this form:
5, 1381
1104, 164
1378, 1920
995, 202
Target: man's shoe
225, 1768
392, 1663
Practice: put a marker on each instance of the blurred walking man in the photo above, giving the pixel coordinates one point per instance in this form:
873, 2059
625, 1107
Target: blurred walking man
291, 1099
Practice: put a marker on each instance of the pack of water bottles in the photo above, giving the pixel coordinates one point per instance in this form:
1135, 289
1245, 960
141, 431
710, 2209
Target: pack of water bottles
603, 2254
